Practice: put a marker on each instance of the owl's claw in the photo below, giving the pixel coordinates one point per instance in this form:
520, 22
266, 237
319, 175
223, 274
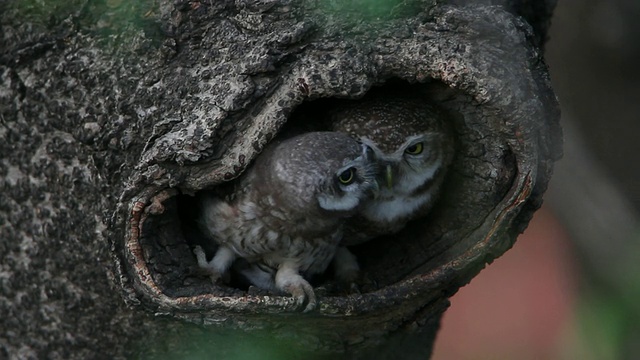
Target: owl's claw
303, 291
288, 280
311, 297
200, 256
218, 266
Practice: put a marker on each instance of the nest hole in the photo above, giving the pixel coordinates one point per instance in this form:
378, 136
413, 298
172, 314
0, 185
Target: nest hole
168, 238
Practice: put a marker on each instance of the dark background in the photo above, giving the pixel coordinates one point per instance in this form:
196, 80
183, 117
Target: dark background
594, 56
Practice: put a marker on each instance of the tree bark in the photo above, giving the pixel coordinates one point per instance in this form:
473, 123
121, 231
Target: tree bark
112, 113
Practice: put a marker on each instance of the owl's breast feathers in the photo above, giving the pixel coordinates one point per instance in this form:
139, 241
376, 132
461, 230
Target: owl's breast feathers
258, 231
386, 217
391, 212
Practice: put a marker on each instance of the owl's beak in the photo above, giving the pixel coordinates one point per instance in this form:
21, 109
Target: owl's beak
388, 175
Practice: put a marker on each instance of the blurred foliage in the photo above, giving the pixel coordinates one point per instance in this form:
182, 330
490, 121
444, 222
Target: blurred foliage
43, 12
101, 18
197, 343
594, 54
603, 326
607, 318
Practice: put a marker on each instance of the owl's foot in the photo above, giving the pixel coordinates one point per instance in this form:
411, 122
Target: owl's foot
346, 268
288, 280
255, 275
218, 266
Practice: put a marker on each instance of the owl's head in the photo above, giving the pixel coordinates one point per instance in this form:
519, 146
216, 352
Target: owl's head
408, 135
349, 186
414, 163
326, 171
352, 183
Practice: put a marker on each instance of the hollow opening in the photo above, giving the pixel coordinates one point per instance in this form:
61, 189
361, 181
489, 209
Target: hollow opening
168, 239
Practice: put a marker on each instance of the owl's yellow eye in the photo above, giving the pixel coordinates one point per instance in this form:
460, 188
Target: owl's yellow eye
348, 176
414, 149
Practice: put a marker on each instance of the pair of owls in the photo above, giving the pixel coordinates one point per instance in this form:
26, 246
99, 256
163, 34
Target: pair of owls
307, 197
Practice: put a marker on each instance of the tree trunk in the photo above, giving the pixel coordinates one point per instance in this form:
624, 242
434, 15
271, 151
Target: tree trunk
113, 112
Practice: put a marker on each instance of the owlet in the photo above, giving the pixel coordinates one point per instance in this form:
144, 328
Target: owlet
287, 211
413, 147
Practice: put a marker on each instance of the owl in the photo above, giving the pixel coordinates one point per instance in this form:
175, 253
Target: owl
285, 215
413, 146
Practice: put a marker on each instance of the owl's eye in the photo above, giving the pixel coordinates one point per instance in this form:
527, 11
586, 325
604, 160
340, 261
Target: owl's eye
414, 149
348, 176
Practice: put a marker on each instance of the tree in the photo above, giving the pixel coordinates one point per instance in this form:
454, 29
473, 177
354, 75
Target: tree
111, 111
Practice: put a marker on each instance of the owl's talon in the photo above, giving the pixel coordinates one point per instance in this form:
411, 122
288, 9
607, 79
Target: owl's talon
203, 264
289, 280
200, 256
310, 306
218, 266
311, 297
303, 292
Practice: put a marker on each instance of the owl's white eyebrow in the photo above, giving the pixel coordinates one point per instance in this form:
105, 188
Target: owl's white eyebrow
413, 138
365, 140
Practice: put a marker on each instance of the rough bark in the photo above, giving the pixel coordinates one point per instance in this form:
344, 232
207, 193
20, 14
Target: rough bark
110, 113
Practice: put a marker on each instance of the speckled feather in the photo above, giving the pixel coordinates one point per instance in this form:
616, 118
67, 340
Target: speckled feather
272, 216
389, 123
386, 120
